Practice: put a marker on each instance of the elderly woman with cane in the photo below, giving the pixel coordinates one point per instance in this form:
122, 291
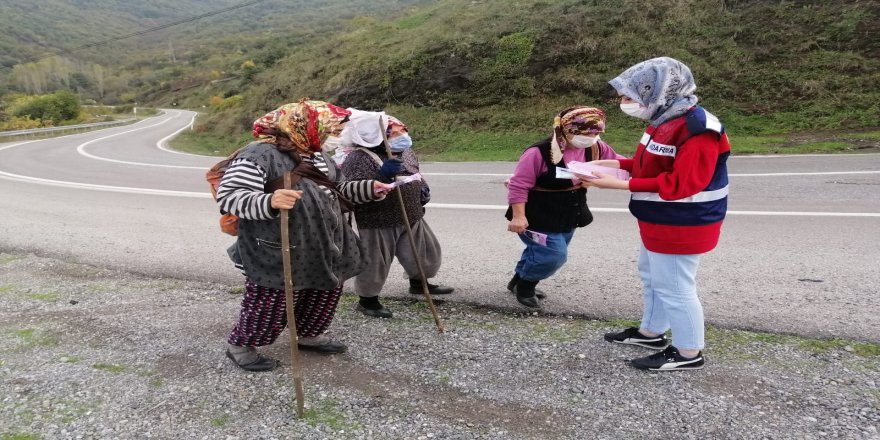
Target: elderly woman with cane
381, 224
324, 249
541, 203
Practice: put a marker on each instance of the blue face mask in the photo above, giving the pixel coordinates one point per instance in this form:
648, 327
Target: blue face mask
400, 143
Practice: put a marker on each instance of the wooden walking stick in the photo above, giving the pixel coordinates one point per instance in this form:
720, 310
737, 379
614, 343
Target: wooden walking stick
412, 239
295, 364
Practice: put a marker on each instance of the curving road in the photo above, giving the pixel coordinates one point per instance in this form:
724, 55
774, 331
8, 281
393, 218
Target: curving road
799, 253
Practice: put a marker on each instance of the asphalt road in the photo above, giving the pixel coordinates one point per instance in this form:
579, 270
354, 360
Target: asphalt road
799, 252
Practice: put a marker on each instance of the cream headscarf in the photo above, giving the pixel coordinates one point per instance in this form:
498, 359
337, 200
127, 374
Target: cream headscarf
363, 128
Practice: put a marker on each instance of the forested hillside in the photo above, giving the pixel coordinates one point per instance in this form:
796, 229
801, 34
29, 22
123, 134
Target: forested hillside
136, 68
493, 71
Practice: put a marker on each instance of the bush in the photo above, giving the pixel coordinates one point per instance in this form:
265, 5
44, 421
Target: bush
20, 123
58, 107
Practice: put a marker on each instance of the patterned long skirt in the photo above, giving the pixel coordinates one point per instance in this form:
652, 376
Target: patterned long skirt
264, 314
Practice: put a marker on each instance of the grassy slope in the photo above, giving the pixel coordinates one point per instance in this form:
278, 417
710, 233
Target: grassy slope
482, 79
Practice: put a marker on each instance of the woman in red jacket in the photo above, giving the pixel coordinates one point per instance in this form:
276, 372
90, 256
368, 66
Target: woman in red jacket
679, 197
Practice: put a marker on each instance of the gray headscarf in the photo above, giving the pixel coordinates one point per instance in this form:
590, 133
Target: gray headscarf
664, 85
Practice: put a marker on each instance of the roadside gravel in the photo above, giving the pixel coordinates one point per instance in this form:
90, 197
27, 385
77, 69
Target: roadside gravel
89, 353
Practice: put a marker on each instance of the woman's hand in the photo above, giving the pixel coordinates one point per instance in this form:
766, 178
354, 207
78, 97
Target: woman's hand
380, 188
285, 198
602, 180
518, 225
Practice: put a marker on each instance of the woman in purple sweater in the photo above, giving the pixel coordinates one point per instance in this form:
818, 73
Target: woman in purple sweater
542, 203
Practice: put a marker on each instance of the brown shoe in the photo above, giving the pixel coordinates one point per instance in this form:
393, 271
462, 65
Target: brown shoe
251, 361
321, 344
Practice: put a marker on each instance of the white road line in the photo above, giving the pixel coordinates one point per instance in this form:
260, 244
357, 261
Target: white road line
81, 149
763, 213
107, 188
822, 173
202, 195
774, 156
163, 143
469, 174
20, 143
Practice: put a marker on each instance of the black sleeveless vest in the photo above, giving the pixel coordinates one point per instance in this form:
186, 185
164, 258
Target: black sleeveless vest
552, 205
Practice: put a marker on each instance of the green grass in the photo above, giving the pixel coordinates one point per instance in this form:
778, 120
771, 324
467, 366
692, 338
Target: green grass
47, 297
9, 258
461, 145
730, 341
31, 338
208, 144
235, 290
112, 368
220, 421
5, 288
19, 436
326, 412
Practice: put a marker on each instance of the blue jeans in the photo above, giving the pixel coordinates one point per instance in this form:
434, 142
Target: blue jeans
670, 290
540, 262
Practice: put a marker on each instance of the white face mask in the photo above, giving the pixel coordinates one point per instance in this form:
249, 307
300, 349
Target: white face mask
581, 141
636, 110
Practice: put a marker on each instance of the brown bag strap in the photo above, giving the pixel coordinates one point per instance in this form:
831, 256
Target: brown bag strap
279, 183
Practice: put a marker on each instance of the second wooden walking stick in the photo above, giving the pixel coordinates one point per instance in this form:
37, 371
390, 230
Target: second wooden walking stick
412, 240
295, 363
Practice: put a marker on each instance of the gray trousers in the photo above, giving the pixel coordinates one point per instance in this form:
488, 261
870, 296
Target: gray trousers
383, 244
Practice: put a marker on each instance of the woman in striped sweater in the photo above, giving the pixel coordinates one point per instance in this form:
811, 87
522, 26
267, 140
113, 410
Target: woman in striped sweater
324, 249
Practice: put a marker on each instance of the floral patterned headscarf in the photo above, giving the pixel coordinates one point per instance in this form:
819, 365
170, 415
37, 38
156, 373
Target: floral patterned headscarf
306, 123
587, 121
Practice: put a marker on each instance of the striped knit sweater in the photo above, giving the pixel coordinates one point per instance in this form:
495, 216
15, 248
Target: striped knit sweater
241, 190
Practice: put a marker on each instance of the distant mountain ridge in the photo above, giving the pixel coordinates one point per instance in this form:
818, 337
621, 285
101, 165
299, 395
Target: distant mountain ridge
475, 65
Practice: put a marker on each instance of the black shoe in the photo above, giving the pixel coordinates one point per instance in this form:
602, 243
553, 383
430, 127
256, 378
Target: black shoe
415, 287
260, 364
512, 284
321, 344
525, 293
669, 360
632, 336
381, 312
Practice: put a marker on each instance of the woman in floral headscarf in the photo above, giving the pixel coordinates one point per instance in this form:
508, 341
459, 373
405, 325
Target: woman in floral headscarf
679, 196
325, 250
540, 202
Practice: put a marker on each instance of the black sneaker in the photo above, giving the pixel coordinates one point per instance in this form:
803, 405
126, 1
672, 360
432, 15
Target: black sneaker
669, 360
632, 336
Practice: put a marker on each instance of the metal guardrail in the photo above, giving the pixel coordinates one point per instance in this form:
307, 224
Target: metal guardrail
62, 129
